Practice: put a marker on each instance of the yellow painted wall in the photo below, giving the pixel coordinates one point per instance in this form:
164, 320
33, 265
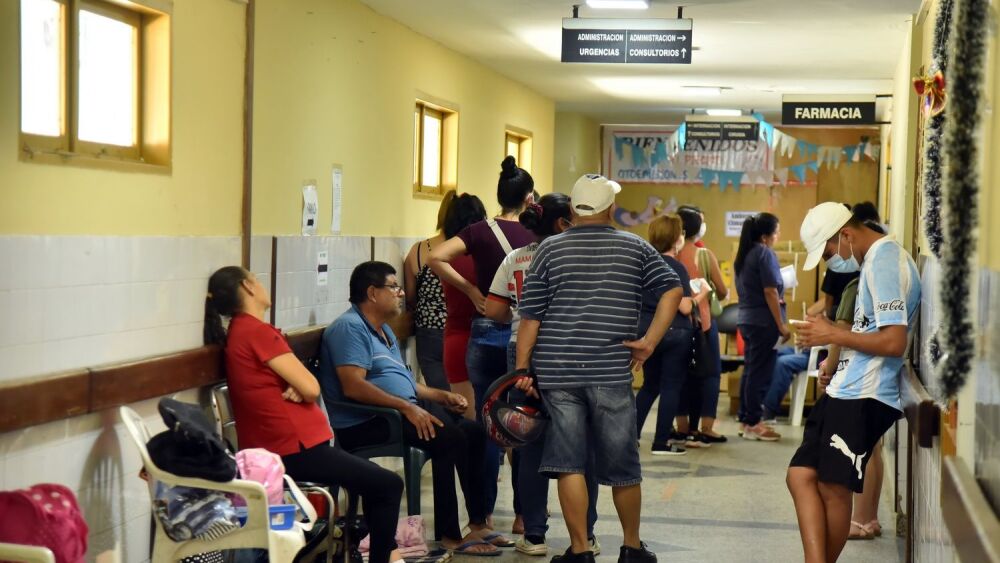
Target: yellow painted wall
577, 149
336, 83
202, 193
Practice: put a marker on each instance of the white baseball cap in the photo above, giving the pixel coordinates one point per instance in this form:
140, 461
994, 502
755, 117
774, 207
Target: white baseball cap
819, 226
593, 193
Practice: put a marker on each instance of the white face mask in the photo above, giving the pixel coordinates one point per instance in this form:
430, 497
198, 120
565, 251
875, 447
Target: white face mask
841, 265
701, 231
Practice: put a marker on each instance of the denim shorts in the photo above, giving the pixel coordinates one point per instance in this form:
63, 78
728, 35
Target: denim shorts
602, 418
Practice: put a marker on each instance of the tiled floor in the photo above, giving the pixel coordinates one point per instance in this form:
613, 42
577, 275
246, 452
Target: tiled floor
726, 503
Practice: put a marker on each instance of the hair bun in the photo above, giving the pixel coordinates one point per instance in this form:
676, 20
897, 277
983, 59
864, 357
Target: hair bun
531, 217
508, 168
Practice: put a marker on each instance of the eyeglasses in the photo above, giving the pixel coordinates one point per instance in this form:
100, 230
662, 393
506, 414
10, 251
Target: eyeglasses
396, 288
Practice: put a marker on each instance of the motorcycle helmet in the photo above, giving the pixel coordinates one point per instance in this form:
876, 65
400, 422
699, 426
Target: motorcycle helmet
512, 422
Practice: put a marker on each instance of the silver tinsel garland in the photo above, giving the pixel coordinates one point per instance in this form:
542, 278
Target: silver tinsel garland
961, 191
932, 134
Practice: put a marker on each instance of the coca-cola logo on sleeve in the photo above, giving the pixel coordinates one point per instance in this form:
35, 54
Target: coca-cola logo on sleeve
894, 305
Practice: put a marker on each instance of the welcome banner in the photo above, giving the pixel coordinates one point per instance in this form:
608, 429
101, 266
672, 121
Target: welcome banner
655, 155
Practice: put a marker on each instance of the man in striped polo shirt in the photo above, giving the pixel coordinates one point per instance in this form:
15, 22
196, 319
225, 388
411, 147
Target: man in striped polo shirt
578, 336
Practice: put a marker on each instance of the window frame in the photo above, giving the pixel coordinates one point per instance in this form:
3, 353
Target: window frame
447, 153
525, 145
151, 149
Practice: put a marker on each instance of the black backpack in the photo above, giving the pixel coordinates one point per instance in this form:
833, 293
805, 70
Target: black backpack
190, 447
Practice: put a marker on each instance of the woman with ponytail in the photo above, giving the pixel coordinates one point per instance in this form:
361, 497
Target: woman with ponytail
488, 242
761, 318
274, 405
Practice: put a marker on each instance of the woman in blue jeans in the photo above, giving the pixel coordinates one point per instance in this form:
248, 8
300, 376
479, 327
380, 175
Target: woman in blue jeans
761, 318
550, 216
489, 242
665, 372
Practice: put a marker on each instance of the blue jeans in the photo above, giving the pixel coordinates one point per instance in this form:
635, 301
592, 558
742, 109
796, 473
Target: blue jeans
486, 359
759, 357
701, 396
663, 376
533, 488
785, 367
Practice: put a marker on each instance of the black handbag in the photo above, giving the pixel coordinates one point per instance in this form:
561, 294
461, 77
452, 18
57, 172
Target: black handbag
702, 357
190, 447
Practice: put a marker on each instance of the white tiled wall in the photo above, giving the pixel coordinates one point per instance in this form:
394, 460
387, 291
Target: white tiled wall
260, 258
299, 300
70, 302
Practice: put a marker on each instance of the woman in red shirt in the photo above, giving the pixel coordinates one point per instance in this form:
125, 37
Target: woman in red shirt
274, 404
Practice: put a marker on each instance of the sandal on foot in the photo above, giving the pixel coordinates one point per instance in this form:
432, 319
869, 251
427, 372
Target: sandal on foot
875, 527
436, 556
860, 531
497, 539
463, 549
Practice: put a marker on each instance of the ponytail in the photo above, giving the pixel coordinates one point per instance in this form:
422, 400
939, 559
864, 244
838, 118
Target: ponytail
754, 228
223, 299
746, 243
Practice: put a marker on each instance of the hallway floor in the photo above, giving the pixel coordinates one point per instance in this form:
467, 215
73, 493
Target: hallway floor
724, 503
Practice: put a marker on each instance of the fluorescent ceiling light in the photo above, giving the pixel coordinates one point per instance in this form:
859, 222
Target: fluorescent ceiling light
618, 4
724, 112
703, 90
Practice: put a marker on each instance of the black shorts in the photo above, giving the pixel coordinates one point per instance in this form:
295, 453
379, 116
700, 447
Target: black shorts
839, 437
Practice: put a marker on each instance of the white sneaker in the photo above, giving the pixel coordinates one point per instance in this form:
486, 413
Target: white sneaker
595, 546
762, 432
524, 546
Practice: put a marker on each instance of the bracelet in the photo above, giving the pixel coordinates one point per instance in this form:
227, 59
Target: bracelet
522, 371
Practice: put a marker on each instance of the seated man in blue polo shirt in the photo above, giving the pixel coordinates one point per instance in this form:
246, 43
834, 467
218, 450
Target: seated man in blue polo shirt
360, 362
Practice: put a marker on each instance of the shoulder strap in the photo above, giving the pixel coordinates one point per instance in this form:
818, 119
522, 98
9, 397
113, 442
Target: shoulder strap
501, 238
419, 244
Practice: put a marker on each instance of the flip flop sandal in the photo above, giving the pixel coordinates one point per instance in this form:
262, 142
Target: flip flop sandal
463, 549
875, 527
497, 536
866, 532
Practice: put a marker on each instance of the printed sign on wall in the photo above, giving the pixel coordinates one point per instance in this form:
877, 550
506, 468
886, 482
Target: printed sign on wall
734, 221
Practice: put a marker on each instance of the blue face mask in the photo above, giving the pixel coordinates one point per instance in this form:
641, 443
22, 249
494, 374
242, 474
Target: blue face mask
839, 264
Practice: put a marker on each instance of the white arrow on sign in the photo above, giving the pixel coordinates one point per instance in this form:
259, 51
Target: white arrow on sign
683, 52
684, 37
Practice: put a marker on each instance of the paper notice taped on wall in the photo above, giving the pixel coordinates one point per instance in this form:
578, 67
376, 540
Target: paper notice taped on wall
337, 187
310, 208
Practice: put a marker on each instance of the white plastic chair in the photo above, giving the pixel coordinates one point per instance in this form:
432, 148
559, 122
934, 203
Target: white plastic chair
798, 402
26, 553
281, 545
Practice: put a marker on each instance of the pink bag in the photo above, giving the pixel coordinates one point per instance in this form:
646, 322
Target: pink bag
45, 515
409, 538
258, 464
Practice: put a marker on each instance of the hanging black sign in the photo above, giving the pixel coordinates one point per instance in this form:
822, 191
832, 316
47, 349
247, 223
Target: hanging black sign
721, 131
827, 113
660, 41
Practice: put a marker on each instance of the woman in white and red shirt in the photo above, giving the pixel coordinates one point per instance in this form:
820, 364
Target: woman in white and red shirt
274, 404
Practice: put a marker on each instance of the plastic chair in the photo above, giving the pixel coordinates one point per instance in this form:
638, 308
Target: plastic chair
413, 458
26, 553
727, 323
222, 408
281, 545
798, 400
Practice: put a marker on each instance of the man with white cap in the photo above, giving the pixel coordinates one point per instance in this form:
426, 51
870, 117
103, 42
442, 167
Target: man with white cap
578, 336
862, 400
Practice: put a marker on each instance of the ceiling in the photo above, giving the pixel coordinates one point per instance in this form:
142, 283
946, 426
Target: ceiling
757, 49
